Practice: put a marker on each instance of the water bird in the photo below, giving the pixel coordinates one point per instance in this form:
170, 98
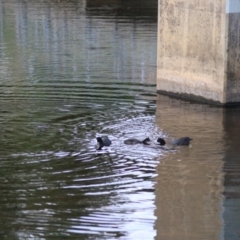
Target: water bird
178, 142
103, 142
182, 141
132, 141
161, 141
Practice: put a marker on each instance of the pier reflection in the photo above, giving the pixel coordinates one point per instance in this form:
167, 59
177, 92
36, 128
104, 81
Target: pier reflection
189, 186
231, 169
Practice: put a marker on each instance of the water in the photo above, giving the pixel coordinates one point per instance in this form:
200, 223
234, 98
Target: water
74, 70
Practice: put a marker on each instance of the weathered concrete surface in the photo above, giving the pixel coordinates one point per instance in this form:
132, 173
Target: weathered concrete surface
233, 59
198, 49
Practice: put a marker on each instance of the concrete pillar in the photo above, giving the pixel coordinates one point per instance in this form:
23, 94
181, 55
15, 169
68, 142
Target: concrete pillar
199, 49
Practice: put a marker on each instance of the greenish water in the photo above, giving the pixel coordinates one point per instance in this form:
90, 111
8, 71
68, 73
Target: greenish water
74, 70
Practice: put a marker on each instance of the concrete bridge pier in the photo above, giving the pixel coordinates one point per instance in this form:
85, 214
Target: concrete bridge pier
199, 50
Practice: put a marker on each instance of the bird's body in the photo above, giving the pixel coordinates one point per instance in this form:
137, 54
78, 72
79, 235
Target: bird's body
103, 142
177, 142
182, 141
107, 142
132, 141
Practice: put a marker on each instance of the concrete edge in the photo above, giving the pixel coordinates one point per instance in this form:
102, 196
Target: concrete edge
197, 99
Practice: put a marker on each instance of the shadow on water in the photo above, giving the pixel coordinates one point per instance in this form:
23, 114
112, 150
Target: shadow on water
189, 183
197, 187
137, 10
231, 169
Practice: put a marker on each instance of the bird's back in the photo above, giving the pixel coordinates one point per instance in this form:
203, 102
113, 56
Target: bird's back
182, 141
106, 141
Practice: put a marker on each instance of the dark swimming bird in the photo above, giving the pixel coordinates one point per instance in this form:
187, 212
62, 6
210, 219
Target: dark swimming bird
161, 141
132, 141
103, 142
182, 141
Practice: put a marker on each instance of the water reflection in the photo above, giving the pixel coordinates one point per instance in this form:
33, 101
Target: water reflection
189, 184
136, 10
231, 169
197, 189
67, 75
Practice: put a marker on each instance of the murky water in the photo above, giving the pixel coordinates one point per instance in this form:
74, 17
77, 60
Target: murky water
74, 70
198, 188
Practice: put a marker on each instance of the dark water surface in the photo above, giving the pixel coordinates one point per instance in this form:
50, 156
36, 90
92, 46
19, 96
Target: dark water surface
74, 70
